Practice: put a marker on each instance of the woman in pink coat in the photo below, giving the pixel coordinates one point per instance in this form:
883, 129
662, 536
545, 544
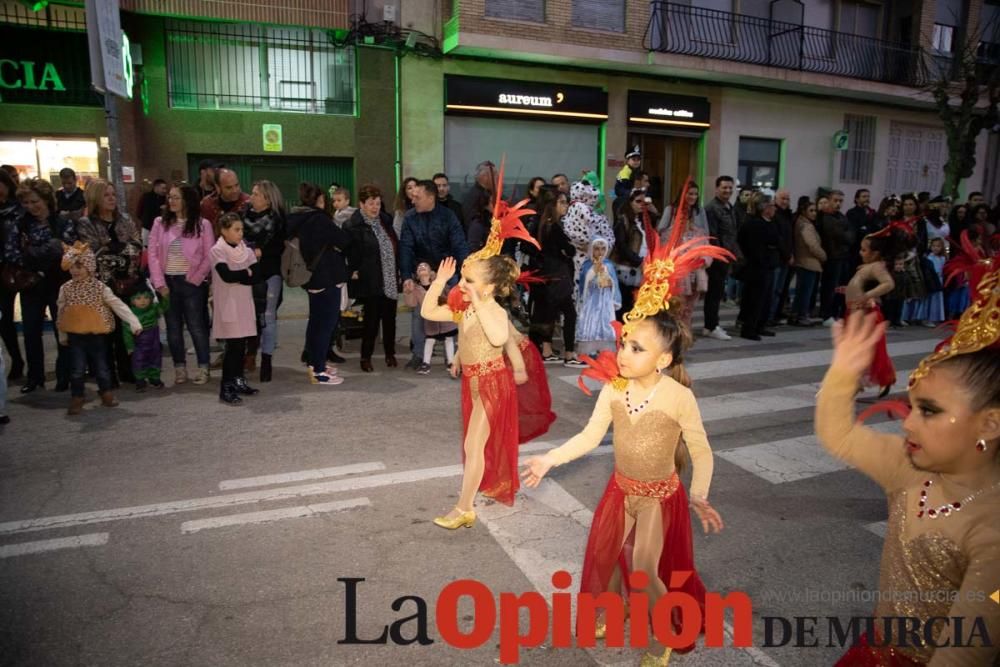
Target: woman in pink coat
235, 321
179, 265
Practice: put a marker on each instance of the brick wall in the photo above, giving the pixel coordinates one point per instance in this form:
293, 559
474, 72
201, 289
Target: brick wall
558, 26
315, 13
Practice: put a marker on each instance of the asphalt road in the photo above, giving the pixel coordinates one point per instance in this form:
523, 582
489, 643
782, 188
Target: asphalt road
176, 531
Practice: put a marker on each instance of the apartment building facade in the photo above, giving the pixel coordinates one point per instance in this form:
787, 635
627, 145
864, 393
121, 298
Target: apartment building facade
268, 89
825, 93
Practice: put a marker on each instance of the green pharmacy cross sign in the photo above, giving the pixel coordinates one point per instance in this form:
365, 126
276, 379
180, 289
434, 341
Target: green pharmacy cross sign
128, 72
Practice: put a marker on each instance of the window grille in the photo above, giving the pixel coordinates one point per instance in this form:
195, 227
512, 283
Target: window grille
249, 67
520, 10
858, 161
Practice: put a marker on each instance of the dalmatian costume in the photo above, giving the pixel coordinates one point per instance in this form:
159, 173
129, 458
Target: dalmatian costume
583, 224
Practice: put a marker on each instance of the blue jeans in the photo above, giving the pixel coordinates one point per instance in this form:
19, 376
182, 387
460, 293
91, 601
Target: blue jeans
187, 307
734, 289
88, 349
34, 302
779, 286
324, 313
269, 335
805, 287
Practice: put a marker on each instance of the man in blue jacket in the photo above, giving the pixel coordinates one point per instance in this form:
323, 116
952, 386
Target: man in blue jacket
432, 232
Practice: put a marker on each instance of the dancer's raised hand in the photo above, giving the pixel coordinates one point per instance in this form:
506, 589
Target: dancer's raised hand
711, 522
446, 269
535, 468
854, 342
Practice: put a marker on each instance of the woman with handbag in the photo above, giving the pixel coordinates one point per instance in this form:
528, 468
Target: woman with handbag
373, 262
32, 255
10, 211
117, 246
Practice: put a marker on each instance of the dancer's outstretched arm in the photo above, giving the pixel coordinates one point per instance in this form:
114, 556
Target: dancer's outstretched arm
512, 348
881, 456
589, 438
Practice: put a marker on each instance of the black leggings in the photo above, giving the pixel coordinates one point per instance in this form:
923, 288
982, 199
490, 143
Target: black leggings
232, 360
545, 313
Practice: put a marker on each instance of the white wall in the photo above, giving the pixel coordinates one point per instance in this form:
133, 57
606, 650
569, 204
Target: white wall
808, 125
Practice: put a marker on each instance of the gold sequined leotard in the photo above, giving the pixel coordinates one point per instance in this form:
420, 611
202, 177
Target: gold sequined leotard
645, 443
944, 567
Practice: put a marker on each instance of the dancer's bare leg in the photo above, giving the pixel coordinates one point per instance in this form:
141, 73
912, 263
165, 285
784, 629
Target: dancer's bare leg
475, 460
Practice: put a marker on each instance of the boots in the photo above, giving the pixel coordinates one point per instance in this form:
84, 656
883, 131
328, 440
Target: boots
265, 367
227, 393
75, 405
241, 387
108, 400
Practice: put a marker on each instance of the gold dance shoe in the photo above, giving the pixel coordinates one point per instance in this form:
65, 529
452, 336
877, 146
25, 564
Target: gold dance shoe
463, 520
601, 629
650, 660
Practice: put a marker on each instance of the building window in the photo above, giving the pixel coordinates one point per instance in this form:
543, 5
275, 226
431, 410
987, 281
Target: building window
519, 10
942, 38
760, 160
858, 161
250, 67
861, 18
599, 14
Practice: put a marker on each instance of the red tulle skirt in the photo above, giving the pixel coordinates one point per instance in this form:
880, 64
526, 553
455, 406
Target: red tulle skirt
863, 654
604, 546
882, 372
494, 382
534, 400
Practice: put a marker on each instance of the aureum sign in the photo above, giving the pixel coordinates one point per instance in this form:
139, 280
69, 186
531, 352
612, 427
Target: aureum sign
478, 96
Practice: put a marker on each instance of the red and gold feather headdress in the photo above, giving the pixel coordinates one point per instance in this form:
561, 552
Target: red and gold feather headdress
665, 266
506, 223
978, 328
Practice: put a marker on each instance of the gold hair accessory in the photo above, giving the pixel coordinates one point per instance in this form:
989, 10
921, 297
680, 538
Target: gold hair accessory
978, 329
506, 223
665, 266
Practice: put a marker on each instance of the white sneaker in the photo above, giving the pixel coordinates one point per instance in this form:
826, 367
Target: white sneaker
706, 333
180, 375
325, 379
201, 377
829, 322
718, 333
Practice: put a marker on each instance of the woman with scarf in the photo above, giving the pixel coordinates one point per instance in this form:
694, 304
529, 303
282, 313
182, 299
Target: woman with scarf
373, 263
264, 233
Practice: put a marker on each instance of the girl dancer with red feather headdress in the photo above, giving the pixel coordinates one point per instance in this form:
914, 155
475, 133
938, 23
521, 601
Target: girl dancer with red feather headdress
942, 481
490, 415
642, 522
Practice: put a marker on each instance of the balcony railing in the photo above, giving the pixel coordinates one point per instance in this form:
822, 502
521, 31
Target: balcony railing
693, 31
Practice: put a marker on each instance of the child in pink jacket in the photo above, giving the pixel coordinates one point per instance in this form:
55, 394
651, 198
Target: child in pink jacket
235, 319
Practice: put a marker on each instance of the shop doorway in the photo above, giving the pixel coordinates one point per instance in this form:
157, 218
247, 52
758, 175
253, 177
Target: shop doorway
669, 160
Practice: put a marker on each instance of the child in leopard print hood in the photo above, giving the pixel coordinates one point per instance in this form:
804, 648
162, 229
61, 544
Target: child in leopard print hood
87, 309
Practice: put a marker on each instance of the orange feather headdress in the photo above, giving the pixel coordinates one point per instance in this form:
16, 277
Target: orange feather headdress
506, 223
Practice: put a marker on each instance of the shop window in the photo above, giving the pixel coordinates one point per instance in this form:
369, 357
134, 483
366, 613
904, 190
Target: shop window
760, 160
599, 14
519, 10
249, 67
858, 161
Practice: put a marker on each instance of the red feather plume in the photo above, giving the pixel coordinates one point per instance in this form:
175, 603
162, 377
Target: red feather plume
456, 300
894, 409
530, 277
604, 369
509, 216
